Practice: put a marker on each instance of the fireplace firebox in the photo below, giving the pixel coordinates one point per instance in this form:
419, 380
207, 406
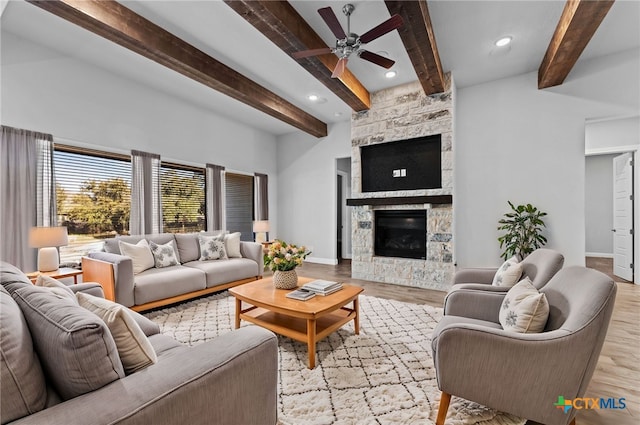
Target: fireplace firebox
401, 234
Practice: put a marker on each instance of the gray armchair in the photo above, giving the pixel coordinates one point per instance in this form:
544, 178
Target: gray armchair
540, 266
523, 374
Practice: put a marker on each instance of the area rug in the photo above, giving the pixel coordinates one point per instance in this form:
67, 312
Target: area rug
384, 375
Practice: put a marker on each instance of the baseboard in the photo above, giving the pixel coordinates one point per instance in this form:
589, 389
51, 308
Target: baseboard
598, 254
318, 260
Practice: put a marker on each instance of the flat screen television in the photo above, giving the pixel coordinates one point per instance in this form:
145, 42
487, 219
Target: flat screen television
403, 165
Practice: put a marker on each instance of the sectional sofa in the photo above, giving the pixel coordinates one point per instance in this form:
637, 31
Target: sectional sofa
156, 287
60, 365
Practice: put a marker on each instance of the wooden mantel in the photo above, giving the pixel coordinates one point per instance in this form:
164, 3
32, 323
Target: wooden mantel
402, 200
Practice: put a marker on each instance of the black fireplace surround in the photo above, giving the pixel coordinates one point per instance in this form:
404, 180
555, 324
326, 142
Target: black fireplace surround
401, 233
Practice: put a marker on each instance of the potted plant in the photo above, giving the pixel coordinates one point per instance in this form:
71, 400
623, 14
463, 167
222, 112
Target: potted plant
523, 226
282, 259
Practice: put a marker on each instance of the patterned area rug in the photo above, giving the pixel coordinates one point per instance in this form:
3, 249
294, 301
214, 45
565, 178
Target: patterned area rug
385, 375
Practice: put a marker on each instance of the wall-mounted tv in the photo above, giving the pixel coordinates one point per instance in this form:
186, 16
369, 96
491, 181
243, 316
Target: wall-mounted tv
403, 165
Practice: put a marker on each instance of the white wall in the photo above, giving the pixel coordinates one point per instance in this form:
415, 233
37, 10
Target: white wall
515, 142
307, 189
619, 135
599, 205
45, 91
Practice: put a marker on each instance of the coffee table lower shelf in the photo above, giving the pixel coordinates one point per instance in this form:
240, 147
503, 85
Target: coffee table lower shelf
300, 329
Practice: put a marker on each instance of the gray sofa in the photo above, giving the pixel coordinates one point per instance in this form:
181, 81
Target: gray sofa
157, 287
229, 380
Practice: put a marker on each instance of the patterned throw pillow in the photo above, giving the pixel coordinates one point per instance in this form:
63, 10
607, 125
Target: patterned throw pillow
508, 274
524, 309
212, 247
164, 255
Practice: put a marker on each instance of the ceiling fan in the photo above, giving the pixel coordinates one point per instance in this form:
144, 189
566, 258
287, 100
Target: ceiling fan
349, 43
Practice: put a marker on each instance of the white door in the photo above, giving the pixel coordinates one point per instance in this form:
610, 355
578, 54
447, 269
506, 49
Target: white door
623, 216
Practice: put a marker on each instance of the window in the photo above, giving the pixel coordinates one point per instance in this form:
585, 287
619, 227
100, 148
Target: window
93, 197
183, 205
239, 204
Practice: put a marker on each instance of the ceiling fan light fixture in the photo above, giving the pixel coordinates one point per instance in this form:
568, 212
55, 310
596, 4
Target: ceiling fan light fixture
504, 41
390, 74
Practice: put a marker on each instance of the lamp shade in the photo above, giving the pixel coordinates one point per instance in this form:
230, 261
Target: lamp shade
260, 226
44, 237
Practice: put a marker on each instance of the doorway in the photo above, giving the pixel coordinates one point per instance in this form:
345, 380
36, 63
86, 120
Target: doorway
343, 212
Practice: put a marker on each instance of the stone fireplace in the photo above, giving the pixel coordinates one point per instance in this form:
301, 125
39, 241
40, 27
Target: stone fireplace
402, 113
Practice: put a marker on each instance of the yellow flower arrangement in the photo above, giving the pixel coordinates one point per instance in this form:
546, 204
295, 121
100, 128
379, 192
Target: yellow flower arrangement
283, 256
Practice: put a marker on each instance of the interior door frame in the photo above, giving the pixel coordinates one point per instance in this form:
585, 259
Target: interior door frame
633, 264
346, 216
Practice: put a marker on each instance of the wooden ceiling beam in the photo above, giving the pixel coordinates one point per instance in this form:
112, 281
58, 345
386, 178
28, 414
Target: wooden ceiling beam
420, 42
121, 25
284, 26
579, 21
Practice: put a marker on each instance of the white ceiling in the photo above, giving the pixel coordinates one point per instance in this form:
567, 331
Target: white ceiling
465, 32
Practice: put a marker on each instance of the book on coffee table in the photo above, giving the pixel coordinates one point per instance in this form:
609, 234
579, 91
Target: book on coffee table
323, 287
301, 294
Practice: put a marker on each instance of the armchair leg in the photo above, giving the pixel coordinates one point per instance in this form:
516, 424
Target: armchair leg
445, 398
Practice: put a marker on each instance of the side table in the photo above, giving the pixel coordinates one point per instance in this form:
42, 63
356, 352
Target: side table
61, 273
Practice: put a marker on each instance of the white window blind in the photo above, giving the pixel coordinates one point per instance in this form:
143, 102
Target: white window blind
93, 196
239, 204
183, 201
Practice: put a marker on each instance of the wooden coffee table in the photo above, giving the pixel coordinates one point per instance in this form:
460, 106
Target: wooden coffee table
305, 321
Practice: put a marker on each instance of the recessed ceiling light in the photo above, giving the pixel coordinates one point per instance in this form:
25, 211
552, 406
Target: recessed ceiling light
390, 74
337, 114
313, 97
504, 41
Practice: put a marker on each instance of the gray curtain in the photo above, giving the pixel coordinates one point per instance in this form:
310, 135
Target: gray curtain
261, 193
146, 206
214, 176
27, 192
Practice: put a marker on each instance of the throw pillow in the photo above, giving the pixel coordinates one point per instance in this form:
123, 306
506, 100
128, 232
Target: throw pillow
508, 274
24, 390
134, 348
55, 286
232, 245
212, 247
164, 255
524, 309
140, 254
75, 347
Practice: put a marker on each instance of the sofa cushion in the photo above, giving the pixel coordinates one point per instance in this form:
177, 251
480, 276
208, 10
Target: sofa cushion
508, 274
12, 278
111, 244
232, 245
140, 255
188, 245
225, 271
164, 255
212, 247
134, 348
23, 384
75, 347
156, 284
55, 286
524, 309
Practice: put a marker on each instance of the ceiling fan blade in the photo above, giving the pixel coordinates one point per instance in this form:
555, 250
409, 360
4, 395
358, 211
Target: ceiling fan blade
312, 52
387, 26
339, 69
332, 22
376, 58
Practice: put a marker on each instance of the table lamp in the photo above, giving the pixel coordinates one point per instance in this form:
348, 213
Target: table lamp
260, 228
48, 239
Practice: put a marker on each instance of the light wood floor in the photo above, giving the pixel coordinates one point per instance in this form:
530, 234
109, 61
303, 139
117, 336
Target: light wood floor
618, 372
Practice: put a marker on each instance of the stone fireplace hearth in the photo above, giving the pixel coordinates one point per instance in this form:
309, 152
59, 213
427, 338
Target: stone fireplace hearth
400, 113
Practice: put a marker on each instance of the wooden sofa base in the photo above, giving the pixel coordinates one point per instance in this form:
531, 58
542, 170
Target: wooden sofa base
102, 272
